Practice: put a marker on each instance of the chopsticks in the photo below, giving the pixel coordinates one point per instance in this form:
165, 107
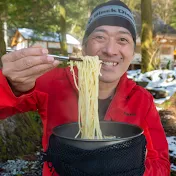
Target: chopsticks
65, 58
60, 58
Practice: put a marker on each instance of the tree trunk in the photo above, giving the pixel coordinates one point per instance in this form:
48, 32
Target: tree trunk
146, 36
63, 27
2, 42
19, 135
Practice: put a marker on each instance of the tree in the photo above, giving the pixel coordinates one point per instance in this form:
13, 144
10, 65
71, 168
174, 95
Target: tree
134, 5
146, 35
77, 19
167, 11
173, 16
2, 42
63, 27
36, 14
3, 8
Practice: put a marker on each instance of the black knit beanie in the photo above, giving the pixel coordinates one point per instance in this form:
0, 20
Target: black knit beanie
112, 13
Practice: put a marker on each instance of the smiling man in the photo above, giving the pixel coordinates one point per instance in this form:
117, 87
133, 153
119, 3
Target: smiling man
115, 47
30, 81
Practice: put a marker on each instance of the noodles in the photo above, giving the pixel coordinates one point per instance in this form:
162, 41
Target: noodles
88, 87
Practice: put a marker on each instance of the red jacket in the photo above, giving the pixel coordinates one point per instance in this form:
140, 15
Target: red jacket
55, 97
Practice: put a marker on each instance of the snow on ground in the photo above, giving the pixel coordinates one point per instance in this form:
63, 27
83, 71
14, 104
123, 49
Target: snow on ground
22, 167
172, 149
157, 80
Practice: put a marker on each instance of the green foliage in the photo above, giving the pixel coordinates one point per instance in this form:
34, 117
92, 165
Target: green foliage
44, 15
34, 115
164, 9
78, 13
134, 5
173, 16
38, 14
47, 15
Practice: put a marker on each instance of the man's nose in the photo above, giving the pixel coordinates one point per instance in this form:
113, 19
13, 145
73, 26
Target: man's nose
111, 48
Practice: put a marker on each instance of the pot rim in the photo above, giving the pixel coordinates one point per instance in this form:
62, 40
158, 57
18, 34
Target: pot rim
98, 140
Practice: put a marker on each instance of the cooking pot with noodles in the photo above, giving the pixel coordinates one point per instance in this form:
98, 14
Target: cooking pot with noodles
121, 152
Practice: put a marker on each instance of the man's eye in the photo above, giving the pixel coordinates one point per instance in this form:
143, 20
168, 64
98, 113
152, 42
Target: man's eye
123, 40
99, 37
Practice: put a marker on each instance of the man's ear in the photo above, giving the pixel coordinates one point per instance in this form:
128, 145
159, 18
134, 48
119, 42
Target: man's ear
134, 50
83, 50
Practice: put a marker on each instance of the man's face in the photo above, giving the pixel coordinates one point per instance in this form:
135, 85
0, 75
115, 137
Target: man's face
115, 47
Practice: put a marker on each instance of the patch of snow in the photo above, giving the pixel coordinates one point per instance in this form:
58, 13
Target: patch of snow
172, 145
172, 149
158, 108
173, 167
157, 80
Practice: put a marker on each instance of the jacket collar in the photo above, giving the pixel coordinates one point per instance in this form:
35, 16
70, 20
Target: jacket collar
124, 87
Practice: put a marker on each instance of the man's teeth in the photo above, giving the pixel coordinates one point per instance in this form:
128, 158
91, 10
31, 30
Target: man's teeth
110, 63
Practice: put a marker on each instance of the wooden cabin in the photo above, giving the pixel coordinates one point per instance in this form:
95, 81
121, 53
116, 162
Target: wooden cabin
24, 38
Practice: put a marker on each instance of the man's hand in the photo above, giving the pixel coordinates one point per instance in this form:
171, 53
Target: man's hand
23, 67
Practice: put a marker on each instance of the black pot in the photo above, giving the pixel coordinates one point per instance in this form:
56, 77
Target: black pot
123, 132
121, 156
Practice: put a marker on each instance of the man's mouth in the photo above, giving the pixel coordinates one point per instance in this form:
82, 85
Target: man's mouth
109, 63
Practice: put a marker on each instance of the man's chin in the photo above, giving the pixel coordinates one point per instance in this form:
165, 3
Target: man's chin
108, 79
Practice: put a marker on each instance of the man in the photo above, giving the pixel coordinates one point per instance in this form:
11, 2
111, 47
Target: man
30, 81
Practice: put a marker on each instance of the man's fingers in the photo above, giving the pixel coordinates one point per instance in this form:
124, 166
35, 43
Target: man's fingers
36, 46
35, 77
39, 69
22, 53
23, 81
32, 61
20, 77
29, 81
